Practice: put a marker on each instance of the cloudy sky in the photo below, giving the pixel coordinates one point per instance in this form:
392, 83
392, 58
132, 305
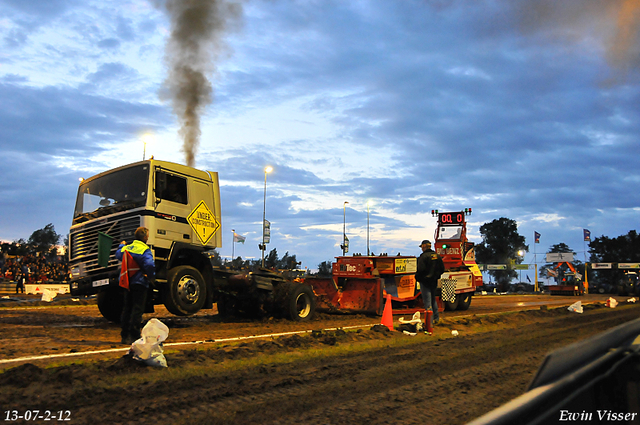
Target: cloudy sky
522, 109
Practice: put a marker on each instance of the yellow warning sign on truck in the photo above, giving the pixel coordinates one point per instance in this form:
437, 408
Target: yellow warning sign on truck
203, 222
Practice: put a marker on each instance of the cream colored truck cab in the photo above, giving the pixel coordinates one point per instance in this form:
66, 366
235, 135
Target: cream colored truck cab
179, 205
181, 208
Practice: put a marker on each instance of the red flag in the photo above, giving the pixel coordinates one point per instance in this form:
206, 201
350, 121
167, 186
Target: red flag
129, 268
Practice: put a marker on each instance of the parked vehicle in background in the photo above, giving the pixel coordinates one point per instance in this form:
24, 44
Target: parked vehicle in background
605, 288
628, 285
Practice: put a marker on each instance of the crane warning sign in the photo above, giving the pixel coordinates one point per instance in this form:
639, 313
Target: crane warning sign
203, 222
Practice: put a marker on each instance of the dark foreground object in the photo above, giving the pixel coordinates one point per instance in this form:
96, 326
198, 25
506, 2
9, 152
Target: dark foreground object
593, 380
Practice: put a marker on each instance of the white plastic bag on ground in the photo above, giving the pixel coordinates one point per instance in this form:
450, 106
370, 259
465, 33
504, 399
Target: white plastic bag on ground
148, 348
48, 295
415, 320
576, 307
611, 302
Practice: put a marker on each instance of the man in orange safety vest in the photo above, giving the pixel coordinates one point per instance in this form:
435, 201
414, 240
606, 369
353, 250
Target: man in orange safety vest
138, 270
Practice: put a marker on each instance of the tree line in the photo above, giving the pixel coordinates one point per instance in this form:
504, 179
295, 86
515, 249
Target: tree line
271, 261
42, 242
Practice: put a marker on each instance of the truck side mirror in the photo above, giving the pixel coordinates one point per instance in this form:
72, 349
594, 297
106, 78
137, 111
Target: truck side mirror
158, 187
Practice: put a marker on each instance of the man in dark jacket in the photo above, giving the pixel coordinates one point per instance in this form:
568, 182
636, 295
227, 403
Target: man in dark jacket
135, 297
430, 267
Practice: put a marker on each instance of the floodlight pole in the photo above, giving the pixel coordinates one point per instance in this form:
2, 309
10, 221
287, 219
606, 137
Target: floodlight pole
264, 211
344, 229
368, 229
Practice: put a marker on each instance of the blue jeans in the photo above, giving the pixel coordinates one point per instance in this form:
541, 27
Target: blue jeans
429, 300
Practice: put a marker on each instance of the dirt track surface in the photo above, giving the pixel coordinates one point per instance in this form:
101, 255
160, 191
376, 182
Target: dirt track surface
344, 376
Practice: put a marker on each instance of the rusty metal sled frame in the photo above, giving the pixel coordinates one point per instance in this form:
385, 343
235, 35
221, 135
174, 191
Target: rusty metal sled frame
360, 284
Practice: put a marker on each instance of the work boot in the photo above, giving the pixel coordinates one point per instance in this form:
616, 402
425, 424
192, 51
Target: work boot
126, 339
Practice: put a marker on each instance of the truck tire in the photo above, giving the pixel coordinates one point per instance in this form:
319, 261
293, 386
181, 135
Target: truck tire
185, 292
465, 301
301, 303
452, 306
111, 304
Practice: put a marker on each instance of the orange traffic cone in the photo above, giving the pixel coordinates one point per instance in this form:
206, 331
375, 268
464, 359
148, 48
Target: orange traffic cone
387, 314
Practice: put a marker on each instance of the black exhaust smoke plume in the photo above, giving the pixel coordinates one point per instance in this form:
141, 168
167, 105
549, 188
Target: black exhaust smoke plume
196, 42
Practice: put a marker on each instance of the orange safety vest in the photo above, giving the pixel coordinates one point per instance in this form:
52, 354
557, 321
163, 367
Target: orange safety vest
129, 268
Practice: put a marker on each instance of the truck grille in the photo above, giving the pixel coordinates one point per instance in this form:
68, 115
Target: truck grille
84, 242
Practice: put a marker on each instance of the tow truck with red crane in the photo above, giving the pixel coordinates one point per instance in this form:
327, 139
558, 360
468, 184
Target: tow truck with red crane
569, 281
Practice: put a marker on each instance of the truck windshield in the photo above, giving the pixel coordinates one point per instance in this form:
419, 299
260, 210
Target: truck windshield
117, 191
450, 232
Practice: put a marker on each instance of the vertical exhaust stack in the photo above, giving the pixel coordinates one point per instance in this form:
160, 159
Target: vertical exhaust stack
196, 41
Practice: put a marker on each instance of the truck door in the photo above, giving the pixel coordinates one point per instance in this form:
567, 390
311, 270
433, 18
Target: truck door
205, 218
172, 207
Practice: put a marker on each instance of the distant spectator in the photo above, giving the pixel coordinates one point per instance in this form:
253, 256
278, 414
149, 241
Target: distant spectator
20, 283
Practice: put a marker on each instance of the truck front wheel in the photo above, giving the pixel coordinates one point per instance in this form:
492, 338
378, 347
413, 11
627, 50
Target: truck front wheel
111, 304
185, 293
301, 303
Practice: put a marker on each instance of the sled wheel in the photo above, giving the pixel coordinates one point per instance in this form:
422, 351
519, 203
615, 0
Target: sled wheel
185, 292
301, 303
465, 301
111, 304
452, 306
226, 306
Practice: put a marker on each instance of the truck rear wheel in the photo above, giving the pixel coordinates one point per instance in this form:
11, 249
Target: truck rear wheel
301, 303
111, 304
465, 301
186, 292
452, 305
